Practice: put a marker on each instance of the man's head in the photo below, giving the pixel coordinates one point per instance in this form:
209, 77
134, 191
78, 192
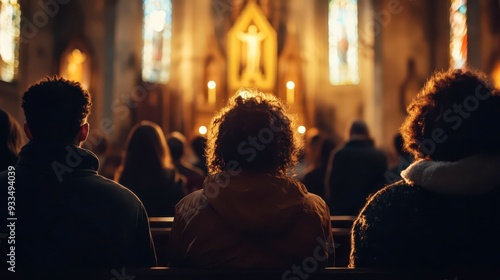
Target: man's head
56, 111
198, 144
176, 142
455, 115
253, 132
359, 131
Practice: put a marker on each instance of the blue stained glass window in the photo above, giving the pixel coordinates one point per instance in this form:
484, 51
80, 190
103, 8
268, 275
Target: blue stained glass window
157, 40
458, 33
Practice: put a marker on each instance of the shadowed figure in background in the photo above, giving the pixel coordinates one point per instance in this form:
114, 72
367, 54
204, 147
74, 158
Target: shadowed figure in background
68, 216
354, 172
318, 149
194, 176
11, 140
250, 214
404, 160
148, 171
198, 144
444, 213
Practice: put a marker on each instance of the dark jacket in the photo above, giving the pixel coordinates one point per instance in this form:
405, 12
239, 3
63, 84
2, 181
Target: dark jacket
194, 175
160, 194
357, 170
68, 216
442, 215
250, 221
314, 180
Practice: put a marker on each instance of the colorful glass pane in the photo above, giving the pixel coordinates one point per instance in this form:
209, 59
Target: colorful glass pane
10, 21
343, 41
157, 39
458, 34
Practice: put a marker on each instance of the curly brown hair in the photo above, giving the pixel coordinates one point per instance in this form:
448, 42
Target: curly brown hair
255, 132
55, 108
456, 114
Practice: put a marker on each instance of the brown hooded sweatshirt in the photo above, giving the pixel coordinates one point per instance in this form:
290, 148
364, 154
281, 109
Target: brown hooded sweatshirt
250, 220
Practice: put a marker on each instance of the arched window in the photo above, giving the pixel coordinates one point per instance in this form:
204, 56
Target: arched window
458, 33
10, 21
343, 41
157, 38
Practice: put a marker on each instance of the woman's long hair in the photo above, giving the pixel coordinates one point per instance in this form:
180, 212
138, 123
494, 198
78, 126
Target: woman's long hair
10, 140
147, 155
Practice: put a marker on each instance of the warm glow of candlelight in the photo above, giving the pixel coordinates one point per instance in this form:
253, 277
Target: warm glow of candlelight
301, 129
211, 92
202, 130
290, 92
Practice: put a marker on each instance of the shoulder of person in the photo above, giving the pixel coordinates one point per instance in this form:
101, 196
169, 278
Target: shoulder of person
190, 205
396, 195
115, 190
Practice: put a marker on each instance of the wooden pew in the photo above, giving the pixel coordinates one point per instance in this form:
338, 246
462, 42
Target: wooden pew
337, 221
341, 228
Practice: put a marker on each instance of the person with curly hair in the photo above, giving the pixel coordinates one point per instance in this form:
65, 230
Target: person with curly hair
68, 216
250, 214
444, 213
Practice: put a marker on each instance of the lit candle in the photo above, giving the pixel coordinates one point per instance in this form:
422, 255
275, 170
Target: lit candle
290, 92
211, 92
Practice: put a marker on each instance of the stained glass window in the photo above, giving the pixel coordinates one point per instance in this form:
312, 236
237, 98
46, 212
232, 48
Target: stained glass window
343, 41
157, 37
458, 34
10, 20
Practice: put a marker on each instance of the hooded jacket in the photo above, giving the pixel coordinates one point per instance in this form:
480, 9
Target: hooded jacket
441, 215
70, 217
249, 221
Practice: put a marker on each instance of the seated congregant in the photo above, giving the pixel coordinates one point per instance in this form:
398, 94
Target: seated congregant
354, 172
404, 159
67, 216
194, 176
317, 151
10, 140
444, 213
250, 214
198, 144
148, 171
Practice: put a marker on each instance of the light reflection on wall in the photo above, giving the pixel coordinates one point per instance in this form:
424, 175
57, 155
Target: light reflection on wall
458, 33
10, 20
157, 37
343, 41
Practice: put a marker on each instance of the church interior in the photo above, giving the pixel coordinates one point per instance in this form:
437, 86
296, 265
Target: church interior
176, 62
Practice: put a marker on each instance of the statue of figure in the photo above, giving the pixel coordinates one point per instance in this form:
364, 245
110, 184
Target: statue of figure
252, 38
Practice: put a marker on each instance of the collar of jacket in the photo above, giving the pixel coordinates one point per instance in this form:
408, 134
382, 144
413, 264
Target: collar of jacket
477, 174
57, 158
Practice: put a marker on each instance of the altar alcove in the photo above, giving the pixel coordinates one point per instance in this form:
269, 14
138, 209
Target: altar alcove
253, 48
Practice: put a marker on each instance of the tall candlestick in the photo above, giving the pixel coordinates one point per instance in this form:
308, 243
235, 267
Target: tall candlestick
212, 93
290, 92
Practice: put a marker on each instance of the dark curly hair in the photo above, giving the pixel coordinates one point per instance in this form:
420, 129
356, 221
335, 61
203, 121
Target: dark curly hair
255, 132
55, 108
455, 115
